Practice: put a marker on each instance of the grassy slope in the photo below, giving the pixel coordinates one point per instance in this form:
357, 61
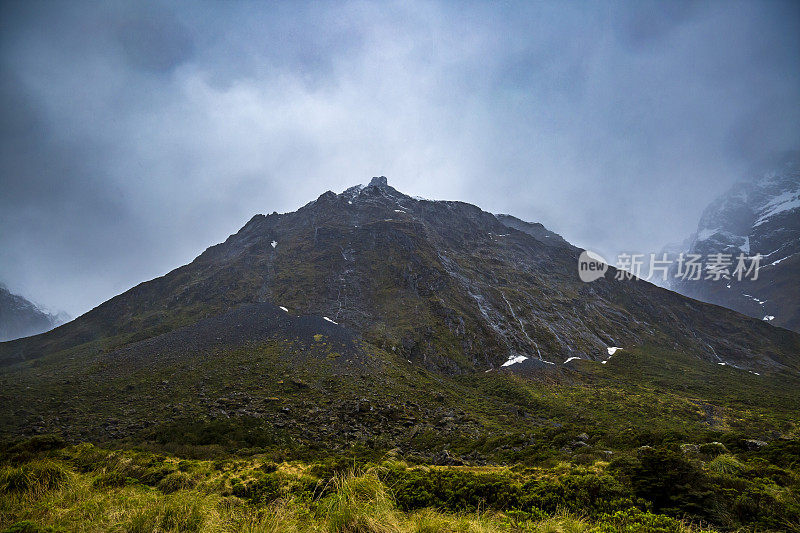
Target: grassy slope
90, 489
290, 395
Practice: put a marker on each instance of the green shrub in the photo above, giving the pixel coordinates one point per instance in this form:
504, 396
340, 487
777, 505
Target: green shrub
588, 494
112, 480
155, 474
785, 453
27, 450
453, 490
175, 481
674, 485
635, 520
265, 489
86, 457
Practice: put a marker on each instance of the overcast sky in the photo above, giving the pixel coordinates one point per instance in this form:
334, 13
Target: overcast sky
137, 134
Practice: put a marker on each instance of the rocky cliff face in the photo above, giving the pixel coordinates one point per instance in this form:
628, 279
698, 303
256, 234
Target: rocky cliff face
444, 284
758, 216
21, 318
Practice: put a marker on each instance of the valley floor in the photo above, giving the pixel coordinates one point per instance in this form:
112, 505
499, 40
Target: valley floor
46, 486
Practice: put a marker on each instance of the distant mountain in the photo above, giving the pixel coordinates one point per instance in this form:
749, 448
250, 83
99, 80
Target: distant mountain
369, 312
760, 215
22, 318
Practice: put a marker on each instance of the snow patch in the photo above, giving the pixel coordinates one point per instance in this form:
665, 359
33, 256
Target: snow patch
283, 308
513, 360
783, 202
746, 246
274, 243
571, 359
759, 302
781, 259
706, 233
613, 349
769, 318
329, 320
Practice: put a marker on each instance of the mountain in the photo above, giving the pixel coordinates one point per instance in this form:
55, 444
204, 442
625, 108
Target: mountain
760, 215
21, 318
442, 283
374, 318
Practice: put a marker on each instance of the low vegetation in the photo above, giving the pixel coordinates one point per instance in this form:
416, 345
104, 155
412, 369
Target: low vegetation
48, 486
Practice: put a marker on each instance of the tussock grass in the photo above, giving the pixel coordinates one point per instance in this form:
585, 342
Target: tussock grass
726, 464
195, 496
36, 477
359, 504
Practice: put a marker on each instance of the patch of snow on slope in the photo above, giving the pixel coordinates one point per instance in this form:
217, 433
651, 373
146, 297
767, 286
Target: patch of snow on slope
274, 243
781, 259
513, 360
329, 320
783, 202
746, 246
706, 233
759, 302
283, 308
769, 318
571, 359
613, 349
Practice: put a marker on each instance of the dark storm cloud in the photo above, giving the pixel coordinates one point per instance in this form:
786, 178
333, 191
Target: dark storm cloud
134, 135
153, 40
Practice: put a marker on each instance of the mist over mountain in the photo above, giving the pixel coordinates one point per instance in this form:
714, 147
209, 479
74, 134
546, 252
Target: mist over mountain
760, 215
22, 318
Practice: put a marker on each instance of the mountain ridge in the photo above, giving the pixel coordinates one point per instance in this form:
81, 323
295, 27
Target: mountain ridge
446, 284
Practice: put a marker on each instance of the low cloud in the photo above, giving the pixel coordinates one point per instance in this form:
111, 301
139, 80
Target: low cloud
136, 135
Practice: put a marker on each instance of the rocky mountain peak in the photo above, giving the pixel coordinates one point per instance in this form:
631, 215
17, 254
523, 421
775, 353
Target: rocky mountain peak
379, 181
